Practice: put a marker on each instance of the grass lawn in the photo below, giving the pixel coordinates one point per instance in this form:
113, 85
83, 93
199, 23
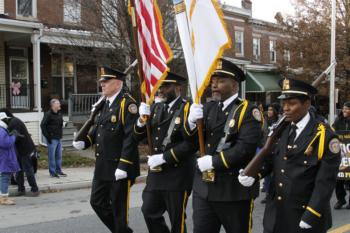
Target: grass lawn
69, 159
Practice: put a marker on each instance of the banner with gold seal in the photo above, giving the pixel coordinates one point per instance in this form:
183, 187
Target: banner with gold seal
344, 169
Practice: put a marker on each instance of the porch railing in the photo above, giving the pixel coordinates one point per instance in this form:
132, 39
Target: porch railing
80, 104
17, 96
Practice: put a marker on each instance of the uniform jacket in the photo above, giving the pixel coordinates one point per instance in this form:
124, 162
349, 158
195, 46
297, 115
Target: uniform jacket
244, 135
24, 145
303, 179
112, 137
52, 124
177, 172
8, 159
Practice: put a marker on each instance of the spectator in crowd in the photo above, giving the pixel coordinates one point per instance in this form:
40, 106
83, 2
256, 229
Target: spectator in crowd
25, 150
342, 123
271, 118
8, 160
51, 127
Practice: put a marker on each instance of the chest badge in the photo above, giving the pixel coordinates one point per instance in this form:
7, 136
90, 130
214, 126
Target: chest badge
114, 119
177, 120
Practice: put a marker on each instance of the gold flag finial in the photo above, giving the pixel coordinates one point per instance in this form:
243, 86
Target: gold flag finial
219, 65
286, 85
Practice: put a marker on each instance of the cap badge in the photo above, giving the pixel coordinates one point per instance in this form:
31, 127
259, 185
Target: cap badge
286, 85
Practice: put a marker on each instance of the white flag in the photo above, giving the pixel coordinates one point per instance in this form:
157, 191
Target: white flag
203, 37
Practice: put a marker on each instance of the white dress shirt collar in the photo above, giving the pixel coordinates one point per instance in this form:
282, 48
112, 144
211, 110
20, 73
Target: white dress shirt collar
172, 103
302, 124
112, 98
228, 101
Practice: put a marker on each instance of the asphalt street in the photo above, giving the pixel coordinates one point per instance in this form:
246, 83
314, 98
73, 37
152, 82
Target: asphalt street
70, 212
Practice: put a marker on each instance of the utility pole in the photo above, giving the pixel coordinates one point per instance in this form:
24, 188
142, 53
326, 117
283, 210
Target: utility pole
332, 76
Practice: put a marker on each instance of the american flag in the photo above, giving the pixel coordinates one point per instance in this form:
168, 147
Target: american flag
154, 50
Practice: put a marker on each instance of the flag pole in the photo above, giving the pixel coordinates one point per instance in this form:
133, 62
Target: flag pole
140, 74
186, 41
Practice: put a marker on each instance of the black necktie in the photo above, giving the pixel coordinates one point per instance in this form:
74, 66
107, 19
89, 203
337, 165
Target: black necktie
220, 106
165, 111
106, 106
292, 134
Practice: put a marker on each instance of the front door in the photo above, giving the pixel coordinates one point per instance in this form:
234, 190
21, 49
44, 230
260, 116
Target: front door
19, 83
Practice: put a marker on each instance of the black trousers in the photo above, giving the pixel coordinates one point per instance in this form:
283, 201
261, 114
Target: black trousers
209, 216
340, 191
155, 203
25, 162
110, 201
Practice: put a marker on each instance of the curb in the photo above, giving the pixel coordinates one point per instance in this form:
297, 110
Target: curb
48, 188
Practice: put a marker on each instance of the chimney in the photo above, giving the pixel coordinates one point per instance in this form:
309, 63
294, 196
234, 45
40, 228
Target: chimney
247, 4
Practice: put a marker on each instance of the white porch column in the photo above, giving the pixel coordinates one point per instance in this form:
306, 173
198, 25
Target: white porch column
35, 38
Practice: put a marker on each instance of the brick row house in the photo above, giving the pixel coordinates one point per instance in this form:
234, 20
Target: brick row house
255, 50
38, 58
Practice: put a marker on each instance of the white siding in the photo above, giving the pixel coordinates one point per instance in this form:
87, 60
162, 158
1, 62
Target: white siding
2, 7
33, 128
32, 121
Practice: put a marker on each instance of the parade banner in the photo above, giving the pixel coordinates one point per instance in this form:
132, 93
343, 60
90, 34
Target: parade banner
344, 169
204, 39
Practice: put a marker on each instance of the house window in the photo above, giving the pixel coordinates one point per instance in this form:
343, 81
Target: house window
239, 43
63, 74
26, 8
256, 48
273, 51
72, 11
2, 9
286, 55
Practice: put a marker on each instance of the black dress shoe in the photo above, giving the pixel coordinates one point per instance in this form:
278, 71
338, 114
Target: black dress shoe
348, 206
339, 205
33, 194
62, 174
54, 176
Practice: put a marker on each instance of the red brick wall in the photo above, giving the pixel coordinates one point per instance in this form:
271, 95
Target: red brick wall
50, 12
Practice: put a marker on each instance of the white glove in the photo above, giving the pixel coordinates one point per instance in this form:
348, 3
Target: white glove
144, 109
155, 160
205, 163
304, 225
196, 112
120, 174
246, 181
79, 145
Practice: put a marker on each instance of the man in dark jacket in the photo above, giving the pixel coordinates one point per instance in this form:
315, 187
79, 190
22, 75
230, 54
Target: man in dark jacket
25, 148
304, 167
173, 155
116, 152
341, 126
51, 127
232, 130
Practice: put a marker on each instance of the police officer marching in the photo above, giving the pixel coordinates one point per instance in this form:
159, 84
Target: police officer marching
117, 160
304, 167
169, 180
232, 130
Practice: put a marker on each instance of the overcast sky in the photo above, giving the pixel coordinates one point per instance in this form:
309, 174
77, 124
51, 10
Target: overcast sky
266, 9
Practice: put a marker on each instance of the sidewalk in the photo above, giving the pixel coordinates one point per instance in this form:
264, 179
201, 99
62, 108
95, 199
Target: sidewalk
77, 178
